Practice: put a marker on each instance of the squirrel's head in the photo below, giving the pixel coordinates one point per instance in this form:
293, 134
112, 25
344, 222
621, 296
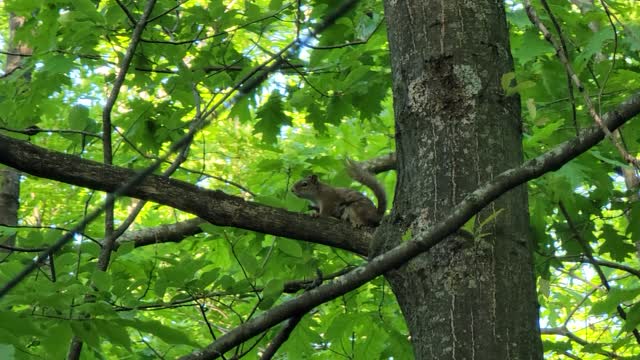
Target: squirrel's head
307, 187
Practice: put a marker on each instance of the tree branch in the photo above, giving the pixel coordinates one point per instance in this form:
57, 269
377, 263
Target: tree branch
600, 262
563, 331
109, 241
574, 113
175, 232
215, 207
381, 163
281, 337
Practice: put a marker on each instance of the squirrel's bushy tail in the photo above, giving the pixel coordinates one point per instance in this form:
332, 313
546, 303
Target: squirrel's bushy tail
357, 173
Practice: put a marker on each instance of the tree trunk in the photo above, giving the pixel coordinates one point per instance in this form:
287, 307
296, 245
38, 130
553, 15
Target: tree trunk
472, 296
10, 178
9, 192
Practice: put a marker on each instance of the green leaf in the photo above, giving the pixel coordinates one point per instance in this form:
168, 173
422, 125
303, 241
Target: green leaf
208, 277
341, 326
7, 351
22, 7
251, 10
615, 244
614, 298
18, 324
275, 5
531, 107
593, 348
290, 247
633, 318
249, 263
34, 238
541, 134
491, 218
270, 165
397, 346
633, 228
166, 333
79, 118
408, 235
56, 347
520, 87
337, 109
101, 280
596, 154
226, 282
272, 118
272, 291
506, 80
241, 109
97, 308
125, 247
66, 259
559, 346
115, 333
532, 47
86, 330
593, 47
58, 64
356, 76
367, 23
88, 8
518, 18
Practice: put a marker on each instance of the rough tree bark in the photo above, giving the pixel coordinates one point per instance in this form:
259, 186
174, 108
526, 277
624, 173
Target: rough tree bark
9, 193
10, 178
471, 296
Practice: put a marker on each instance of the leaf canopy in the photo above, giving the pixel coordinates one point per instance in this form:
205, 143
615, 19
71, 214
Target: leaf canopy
329, 99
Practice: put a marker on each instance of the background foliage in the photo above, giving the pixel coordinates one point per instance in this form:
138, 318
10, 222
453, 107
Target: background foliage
330, 99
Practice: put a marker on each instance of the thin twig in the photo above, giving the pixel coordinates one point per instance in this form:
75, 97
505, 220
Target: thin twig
348, 44
600, 262
33, 130
289, 326
126, 12
108, 244
281, 337
563, 331
220, 33
167, 11
49, 227
564, 48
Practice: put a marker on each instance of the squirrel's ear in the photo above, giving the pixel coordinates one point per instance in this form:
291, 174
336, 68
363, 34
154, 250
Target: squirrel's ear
313, 178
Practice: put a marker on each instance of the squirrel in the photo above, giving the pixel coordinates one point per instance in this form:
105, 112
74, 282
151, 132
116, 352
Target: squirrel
344, 203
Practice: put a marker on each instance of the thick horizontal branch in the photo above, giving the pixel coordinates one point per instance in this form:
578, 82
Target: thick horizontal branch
424, 238
381, 164
175, 232
213, 206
